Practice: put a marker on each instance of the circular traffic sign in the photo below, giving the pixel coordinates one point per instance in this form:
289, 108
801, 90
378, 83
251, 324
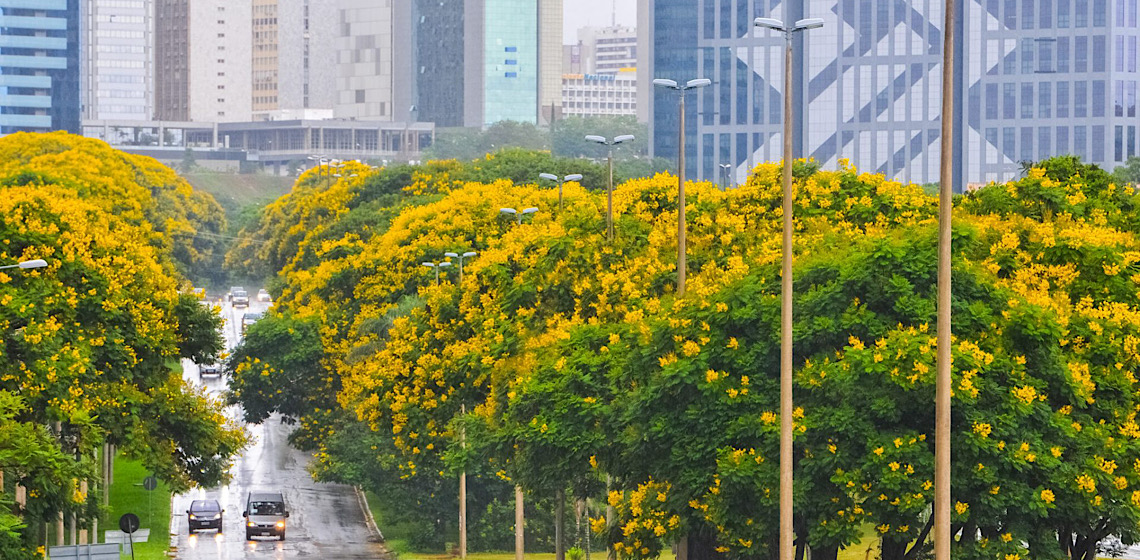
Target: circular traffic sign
150, 483
129, 523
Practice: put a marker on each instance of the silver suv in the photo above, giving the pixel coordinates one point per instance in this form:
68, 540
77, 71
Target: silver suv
265, 515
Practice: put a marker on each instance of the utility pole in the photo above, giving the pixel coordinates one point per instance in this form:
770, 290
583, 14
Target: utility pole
463, 487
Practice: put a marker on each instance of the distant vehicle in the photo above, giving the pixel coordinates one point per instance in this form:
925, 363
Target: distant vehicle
248, 318
263, 295
214, 369
239, 299
233, 290
265, 515
204, 514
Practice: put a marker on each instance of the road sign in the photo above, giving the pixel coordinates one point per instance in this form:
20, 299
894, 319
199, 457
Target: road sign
129, 523
150, 483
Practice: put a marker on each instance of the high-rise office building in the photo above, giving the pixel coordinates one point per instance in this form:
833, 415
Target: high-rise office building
1035, 78
203, 60
477, 62
603, 50
294, 54
39, 66
117, 73
364, 61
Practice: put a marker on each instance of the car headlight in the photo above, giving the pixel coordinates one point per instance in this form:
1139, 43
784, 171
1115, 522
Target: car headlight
192, 516
251, 524
280, 524
217, 516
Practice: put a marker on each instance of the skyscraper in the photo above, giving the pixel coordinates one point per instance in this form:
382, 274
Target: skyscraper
1035, 78
203, 60
39, 65
477, 62
118, 59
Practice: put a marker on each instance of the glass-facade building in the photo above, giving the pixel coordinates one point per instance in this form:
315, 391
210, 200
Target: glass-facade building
1035, 78
39, 66
118, 60
510, 61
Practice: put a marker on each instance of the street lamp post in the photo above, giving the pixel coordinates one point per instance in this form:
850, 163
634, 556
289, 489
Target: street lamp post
37, 263
517, 215
942, 530
725, 174
461, 256
560, 181
682, 252
610, 189
436, 267
787, 550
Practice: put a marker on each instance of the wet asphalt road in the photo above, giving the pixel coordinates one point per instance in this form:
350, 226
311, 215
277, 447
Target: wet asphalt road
326, 520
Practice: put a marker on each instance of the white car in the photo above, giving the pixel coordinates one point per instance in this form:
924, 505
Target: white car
263, 295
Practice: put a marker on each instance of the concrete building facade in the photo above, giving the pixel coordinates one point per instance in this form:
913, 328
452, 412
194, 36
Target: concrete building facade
39, 65
204, 60
117, 75
605, 50
591, 95
364, 61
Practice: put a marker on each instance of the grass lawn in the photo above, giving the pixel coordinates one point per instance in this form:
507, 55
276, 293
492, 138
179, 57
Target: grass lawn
153, 508
235, 191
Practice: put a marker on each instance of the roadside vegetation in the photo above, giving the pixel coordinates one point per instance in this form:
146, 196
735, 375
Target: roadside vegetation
90, 338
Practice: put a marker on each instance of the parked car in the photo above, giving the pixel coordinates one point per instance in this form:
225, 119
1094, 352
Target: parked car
265, 515
239, 299
248, 318
204, 514
214, 369
263, 295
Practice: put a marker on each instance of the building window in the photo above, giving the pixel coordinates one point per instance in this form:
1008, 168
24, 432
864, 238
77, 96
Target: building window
1081, 56
1099, 98
1100, 13
1062, 140
1011, 14
1080, 142
1063, 14
1046, 14
1081, 17
1118, 99
1009, 101
1009, 142
1027, 14
1080, 100
991, 101
1063, 54
1027, 48
1027, 101
1100, 54
1044, 143
1062, 100
1045, 100
1098, 140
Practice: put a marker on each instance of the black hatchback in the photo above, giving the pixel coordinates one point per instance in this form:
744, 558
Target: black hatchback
204, 514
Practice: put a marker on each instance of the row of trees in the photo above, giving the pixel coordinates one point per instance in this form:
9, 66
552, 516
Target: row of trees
570, 366
91, 343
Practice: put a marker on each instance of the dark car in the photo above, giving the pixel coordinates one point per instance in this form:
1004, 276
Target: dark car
248, 318
214, 369
204, 514
265, 515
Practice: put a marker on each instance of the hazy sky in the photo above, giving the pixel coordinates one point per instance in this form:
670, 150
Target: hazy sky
580, 13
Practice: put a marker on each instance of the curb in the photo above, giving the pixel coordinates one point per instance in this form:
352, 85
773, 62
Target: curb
368, 519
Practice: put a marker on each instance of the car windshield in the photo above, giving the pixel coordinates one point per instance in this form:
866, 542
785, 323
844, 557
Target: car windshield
266, 508
204, 505
239, 294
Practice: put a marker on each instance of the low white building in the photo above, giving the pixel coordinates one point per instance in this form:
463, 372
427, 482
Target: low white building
588, 95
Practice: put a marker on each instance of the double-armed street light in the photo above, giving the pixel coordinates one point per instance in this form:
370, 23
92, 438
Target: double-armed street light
681, 89
436, 267
610, 143
726, 175
516, 214
35, 263
787, 550
460, 257
560, 181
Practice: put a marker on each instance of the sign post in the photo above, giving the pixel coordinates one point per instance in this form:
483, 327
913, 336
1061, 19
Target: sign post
129, 523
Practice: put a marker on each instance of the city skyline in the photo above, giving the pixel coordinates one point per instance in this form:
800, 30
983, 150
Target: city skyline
598, 13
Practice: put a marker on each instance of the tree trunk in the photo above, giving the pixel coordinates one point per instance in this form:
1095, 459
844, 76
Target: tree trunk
800, 549
559, 526
700, 545
520, 522
918, 543
892, 549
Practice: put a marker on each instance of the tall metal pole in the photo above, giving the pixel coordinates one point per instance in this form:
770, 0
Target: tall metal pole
520, 520
942, 536
682, 261
560, 193
463, 491
610, 200
787, 550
